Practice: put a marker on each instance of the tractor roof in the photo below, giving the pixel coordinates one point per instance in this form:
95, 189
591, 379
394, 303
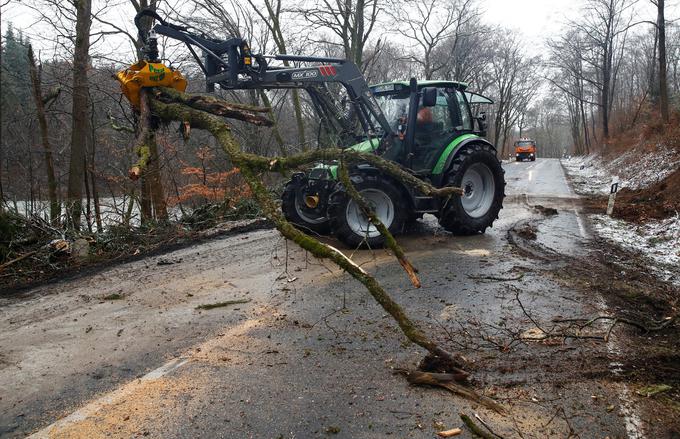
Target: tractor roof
385, 86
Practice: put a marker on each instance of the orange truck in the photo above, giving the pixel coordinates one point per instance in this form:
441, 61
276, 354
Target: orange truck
525, 149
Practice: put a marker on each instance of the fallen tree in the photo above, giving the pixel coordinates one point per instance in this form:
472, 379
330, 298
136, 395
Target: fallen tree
204, 113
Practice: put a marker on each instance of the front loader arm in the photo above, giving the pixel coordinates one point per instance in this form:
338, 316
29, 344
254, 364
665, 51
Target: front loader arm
231, 64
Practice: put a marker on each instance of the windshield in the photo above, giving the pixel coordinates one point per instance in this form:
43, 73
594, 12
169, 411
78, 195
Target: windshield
393, 106
526, 143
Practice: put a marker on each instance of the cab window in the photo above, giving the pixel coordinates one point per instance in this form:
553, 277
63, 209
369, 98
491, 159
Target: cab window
441, 113
464, 112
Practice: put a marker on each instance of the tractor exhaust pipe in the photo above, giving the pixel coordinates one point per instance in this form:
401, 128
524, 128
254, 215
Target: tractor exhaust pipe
312, 201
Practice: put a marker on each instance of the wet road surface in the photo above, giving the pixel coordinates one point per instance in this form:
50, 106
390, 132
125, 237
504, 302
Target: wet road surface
311, 354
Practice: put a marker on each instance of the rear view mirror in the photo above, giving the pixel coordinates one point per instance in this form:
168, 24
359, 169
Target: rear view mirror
429, 97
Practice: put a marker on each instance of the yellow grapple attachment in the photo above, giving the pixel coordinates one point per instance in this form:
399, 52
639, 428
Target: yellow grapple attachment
148, 74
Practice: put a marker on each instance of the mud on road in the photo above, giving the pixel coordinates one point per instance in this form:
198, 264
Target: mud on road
126, 352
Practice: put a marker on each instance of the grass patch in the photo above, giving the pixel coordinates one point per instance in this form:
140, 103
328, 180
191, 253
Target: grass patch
222, 304
114, 296
653, 390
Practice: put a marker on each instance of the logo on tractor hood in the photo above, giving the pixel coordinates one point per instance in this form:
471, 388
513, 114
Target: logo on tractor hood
305, 74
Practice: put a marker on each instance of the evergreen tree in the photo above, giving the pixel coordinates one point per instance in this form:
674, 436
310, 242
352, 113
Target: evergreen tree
15, 82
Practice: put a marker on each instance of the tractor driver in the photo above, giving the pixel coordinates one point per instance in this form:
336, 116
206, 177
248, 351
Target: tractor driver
424, 117
424, 126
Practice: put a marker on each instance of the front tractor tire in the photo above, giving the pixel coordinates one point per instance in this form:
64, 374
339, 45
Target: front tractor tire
352, 227
299, 215
479, 173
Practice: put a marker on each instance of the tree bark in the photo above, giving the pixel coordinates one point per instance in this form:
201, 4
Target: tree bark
275, 124
145, 210
55, 208
152, 199
80, 131
93, 178
88, 198
154, 176
663, 70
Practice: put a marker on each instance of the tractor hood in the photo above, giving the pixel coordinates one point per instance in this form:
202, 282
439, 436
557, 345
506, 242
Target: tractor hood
323, 170
366, 145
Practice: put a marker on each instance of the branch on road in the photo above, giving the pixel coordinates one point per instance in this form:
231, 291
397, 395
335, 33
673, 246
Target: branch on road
497, 278
447, 381
476, 429
252, 166
551, 333
644, 327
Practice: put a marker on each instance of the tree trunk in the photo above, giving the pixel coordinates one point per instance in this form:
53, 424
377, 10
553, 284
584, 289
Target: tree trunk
95, 199
93, 177
297, 107
55, 208
160, 210
274, 25
80, 131
88, 198
663, 79
146, 213
152, 198
275, 126
605, 107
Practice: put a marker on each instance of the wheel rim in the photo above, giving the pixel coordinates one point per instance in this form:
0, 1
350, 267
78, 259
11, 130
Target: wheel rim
381, 204
305, 217
479, 187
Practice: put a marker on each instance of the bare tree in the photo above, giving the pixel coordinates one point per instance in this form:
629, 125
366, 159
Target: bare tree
272, 20
351, 21
604, 25
40, 101
429, 24
80, 126
514, 85
568, 75
663, 68
468, 54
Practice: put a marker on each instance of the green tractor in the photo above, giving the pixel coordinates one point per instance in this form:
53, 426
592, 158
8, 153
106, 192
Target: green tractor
446, 148
427, 127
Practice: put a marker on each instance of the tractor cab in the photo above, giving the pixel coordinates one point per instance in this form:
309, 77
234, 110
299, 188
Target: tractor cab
438, 123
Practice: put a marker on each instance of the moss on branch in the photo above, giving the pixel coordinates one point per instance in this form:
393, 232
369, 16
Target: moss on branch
343, 175
251, 165
246, 113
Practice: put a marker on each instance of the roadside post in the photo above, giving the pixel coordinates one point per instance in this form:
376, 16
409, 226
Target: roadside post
612, 195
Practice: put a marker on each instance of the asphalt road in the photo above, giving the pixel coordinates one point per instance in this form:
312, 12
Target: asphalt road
311, 354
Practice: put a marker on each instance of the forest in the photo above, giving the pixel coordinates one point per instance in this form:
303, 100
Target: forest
67, 133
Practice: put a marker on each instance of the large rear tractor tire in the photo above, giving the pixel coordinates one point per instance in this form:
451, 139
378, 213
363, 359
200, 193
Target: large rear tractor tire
352, 227
298, 215
479, 173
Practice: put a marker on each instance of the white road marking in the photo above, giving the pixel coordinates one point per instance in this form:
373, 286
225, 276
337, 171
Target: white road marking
632, 421
93, 407
127, 389
579, 221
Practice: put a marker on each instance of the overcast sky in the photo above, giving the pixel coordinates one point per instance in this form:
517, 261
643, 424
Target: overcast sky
538, 20
535, 20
